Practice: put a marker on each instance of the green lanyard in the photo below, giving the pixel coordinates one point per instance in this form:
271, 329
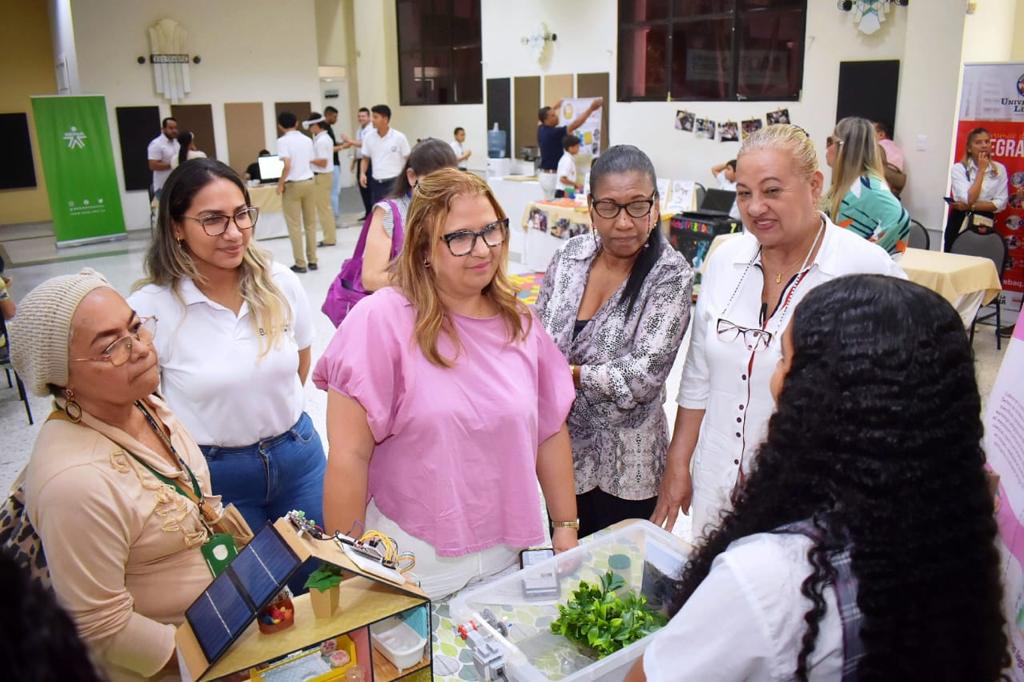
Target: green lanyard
167, 442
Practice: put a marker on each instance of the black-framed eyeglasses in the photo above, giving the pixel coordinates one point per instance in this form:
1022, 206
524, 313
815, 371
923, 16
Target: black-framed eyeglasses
609, 209
120, 351
463, 242
754, 339
217, 224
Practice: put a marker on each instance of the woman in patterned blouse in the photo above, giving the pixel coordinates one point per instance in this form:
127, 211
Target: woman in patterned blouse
617, 303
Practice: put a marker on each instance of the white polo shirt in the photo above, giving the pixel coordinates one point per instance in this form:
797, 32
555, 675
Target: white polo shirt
162, 149
567, 167
212, 374
323, 148
459, 150
299, 148
387, 154
361, 135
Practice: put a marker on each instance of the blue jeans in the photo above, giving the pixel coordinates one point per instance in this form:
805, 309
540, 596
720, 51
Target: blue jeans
268, 479
336, 191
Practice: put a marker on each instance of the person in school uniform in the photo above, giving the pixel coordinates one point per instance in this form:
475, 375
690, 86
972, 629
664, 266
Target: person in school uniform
323, 167
298, 191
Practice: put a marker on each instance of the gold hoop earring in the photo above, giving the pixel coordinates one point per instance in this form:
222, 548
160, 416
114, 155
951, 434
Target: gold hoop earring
71, 407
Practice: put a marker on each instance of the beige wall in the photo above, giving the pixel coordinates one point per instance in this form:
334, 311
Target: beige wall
990, 31
26, 65
252, 50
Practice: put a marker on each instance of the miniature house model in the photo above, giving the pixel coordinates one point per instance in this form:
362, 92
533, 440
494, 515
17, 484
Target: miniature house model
379, 631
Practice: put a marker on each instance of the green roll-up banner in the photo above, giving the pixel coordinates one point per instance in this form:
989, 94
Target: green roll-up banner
78, 163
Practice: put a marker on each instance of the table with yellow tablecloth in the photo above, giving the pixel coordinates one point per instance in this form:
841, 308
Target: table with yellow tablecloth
549, 223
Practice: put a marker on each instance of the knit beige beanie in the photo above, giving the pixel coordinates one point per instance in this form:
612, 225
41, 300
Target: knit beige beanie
41, 331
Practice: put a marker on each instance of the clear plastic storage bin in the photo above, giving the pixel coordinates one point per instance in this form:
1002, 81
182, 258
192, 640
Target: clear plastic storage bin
645, 556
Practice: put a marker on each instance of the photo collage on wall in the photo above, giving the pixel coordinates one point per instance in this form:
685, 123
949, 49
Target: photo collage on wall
728, 131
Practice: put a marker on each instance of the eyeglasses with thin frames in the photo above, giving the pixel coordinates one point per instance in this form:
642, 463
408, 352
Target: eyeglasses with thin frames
753, 339
120, 351
463, 242
217, 224
609, 209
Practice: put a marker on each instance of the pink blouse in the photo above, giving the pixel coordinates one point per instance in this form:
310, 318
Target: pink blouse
456, 448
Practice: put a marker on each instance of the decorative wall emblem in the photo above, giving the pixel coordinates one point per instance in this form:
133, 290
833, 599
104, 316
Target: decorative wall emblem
169, 59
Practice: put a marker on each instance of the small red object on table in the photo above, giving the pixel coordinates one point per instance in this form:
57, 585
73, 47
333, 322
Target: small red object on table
277, 615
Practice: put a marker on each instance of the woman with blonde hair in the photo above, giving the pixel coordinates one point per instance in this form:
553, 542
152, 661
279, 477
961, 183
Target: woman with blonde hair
447, 400
860, 199
750, 287
234, 344
978, 187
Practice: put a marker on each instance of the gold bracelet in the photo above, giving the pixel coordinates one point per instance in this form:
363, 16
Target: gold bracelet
574, 524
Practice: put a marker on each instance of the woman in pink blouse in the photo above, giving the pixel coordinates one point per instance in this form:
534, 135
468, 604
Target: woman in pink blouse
447, 400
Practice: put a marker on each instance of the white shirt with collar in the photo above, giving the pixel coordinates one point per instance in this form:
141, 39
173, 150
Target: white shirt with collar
387, 154
459, 150
298, 148
361, 136
746, 620
323, 148
723, 379
993, 187
212, 374
567, 168
162, 149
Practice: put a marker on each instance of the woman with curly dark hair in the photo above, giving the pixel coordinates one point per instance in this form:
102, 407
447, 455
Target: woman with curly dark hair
861, 547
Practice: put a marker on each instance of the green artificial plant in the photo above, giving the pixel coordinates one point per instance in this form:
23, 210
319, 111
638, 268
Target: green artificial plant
324, 578
599, 618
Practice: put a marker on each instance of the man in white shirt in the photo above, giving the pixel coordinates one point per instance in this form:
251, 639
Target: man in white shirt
322, 166
462, 152
567, 176
161, 152
331, 116
296, 186
386, 149
364, 129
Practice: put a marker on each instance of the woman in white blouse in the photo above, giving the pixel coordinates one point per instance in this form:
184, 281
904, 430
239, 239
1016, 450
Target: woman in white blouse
234, 345
748, 292
841, 560
979, 187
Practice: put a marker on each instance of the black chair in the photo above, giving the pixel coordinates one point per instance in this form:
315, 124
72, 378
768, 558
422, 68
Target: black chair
918, 238
989, 245
5, 363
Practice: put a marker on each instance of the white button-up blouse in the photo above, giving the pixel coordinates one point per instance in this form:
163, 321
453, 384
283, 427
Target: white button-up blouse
731, 382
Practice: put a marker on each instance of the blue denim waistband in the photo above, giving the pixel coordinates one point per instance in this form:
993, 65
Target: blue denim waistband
261, 444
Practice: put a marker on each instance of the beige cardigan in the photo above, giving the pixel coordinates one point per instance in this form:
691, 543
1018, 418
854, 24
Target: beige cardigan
123, 548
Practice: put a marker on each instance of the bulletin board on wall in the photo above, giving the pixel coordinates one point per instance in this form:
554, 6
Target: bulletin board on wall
198, 120
136, 128
527, 103
246, 133
868, 89
18, 170
557, 87
300, 109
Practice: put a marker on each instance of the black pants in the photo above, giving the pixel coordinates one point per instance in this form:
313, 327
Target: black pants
598, 510
364, 192
379, 188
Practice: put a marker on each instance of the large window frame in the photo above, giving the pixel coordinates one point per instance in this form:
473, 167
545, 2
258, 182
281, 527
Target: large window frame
740, 12
462, 81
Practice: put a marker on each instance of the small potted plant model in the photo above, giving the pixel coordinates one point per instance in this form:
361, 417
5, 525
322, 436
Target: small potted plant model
323, 585
606, 618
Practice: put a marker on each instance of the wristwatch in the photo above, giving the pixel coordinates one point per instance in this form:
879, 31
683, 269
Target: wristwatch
574, 524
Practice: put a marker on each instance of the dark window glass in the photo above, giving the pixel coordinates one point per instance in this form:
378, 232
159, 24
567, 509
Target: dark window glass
439, 52
643, 55
711, 49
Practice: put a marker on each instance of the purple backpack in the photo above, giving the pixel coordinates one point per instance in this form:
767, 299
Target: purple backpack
347, 288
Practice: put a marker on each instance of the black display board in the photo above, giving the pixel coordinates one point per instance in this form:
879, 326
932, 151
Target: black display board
18, 170
869, 89
499, 107
136, 127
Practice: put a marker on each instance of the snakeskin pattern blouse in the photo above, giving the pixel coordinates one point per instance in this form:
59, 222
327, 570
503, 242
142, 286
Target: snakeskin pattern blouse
617, 424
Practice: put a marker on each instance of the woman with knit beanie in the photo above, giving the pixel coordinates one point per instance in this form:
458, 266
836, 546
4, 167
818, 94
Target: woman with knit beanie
112, 485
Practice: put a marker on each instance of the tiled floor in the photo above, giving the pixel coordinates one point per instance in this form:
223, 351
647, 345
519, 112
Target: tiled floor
125, 266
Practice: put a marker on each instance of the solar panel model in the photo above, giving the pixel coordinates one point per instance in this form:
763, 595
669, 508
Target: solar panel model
230, 603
